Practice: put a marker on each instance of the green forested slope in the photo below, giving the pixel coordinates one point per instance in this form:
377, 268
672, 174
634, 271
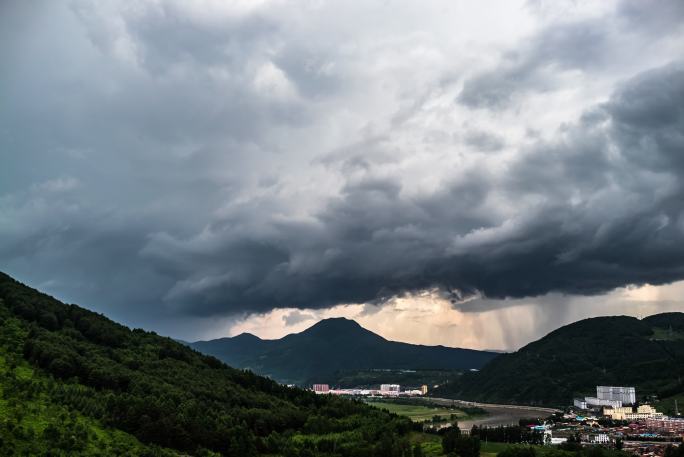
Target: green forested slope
572, 360
32, 423
127, 387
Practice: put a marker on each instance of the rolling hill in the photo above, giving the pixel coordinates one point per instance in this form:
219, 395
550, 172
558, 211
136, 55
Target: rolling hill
334, 345
572, 360
73, 382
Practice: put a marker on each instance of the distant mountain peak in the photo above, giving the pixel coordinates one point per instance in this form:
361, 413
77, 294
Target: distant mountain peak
336, 322
246, 336
338, 327
333, 345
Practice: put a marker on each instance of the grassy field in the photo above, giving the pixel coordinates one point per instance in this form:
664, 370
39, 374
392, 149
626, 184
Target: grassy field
489, 449
432, 445
418, 413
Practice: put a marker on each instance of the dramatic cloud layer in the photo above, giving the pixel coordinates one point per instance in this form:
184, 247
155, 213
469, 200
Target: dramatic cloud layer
427, 318
173, 162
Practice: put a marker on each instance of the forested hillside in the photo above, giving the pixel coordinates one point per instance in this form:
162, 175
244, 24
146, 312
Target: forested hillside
330, 349
34, 420
573, 359
78, 383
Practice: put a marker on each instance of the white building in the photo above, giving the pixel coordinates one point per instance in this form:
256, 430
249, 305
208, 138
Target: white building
389, 389
626, 395
595, 401
599, 438
580, 403
321, 388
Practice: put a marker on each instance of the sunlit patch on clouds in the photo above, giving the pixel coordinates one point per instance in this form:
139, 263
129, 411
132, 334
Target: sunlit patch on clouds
430, 318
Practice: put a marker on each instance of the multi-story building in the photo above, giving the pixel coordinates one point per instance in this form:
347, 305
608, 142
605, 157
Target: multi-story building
618, 413
642, 416
389, 389
648, 409
626, 395
595, 401
627, 413
666, 424
580, 403
423, 389
321, 388
610, 396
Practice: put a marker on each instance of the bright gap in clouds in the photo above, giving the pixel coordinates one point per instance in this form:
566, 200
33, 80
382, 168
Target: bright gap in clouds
430, 319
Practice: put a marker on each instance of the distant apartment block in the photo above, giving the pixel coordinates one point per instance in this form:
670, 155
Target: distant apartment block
580, 403
610, 396
424, 389
626, 395
595, 401
628, 413
386, 390
390, 389
321, 388
618, 413
666, 424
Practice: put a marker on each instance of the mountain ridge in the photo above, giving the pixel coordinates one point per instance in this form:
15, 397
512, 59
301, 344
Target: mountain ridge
570, 361
332, 345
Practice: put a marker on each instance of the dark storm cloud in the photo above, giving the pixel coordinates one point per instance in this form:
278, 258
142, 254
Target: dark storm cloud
170, 161
647, 120
626, 227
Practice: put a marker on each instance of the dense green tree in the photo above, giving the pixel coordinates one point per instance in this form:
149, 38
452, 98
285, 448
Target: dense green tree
449, 437
508, 434
467, 446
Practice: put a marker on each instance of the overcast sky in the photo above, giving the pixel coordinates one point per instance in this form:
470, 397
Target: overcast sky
465, 173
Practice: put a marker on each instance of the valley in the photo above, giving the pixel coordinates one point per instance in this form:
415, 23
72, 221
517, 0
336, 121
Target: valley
73, 380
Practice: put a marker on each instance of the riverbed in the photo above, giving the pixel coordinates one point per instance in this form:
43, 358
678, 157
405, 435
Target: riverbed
496, 414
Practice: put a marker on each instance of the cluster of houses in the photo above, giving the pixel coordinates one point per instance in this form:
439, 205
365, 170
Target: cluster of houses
639, 428
618, 403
